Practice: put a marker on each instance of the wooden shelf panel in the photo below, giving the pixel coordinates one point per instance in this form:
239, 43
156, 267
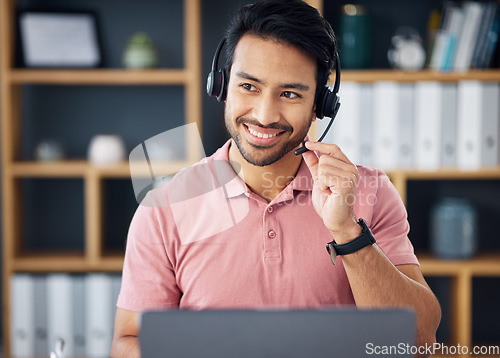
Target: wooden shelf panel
66, 263
481, 265
98, 77
424, 75
487, 264
82, 168
485, 173
66, 168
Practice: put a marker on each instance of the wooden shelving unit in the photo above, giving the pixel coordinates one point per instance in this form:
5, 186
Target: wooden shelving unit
93, 257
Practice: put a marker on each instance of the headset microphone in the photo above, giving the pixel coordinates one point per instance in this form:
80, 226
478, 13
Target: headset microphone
327, 101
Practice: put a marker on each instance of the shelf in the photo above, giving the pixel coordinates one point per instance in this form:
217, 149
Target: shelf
424, 75
487, 264
98, 77
82, 168
453, 173
66, 263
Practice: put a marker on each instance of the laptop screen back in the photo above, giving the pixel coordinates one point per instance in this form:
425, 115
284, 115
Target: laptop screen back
276, 333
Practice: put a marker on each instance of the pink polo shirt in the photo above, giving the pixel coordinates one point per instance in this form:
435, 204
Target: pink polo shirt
206, 241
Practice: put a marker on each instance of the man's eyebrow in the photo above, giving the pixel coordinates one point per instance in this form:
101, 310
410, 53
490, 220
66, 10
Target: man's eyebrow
298, 86
248, 76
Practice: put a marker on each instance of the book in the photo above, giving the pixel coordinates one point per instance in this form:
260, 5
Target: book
446, 37
483, 33
433, 25
453, 30
491, 42
472, 18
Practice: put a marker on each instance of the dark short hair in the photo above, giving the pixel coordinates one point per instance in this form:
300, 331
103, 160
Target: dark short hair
289, 21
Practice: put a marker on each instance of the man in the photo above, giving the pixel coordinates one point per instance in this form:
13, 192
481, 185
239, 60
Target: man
283, 208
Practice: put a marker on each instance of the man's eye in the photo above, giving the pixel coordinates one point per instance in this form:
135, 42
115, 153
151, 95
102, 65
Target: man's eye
290, 95
248, 87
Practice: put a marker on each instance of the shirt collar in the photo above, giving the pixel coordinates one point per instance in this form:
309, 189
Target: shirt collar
235, 186
302, 181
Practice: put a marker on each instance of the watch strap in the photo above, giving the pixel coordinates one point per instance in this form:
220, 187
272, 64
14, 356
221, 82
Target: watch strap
365, 239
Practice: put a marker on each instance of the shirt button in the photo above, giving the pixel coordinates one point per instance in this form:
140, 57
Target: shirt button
270, 209
271, 234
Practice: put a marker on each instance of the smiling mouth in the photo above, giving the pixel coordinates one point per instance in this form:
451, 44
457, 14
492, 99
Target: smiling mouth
262, 135
253, 130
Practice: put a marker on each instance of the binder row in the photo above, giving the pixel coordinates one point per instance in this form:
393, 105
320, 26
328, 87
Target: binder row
426, 125
79, 308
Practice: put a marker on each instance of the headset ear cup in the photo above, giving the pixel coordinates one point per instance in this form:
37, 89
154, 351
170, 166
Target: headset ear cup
326, 103
215, 81
320, 104
211, 83
221, 95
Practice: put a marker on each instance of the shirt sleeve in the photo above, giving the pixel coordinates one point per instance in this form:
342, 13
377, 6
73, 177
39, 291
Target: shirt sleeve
390, 225
148, 279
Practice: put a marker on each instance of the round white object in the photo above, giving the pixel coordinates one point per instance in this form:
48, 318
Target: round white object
411, 56
106, 149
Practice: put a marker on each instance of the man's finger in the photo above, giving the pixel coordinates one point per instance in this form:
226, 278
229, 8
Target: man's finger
312, 161
330, 149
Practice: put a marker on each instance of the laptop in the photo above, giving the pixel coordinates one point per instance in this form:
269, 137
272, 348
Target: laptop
337, 332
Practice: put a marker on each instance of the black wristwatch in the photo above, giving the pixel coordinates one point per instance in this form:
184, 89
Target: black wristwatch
366, 238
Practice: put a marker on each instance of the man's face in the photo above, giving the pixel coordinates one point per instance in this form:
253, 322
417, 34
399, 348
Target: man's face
270, 99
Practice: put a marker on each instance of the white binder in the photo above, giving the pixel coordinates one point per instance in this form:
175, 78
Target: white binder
346, 128
449, 126
22, 315
98, 325
428, 113
406, 125
478, 127
60, 311
116, 284
366, 125
79, 313
386, 118
40, 311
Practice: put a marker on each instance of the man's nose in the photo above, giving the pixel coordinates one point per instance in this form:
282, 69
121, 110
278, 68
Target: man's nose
266, 109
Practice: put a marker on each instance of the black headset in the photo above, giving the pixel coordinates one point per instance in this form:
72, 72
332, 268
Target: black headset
327, 101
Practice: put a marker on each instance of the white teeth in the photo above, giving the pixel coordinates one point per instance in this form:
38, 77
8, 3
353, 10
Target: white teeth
261, 135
